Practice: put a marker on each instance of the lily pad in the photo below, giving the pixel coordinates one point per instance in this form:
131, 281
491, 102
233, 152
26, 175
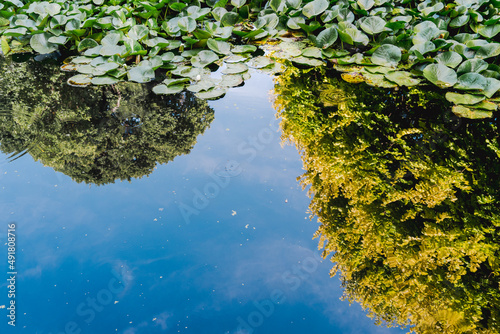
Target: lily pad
167, 90
387, 55
463, 98
440, 75
402, 78
211, 94
471, 113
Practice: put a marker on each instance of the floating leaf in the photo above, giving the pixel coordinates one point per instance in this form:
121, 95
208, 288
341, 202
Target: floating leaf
373, 25
315, 8
141, 74
457, 98
449, 58
86, 43
104, 80
167, 90
244, 48
353, 77
40, 43
308, 61
219, 46
471, 113
326, 38
386, 55
469, 81
204, 58
231, 80
211, 94
402, 78
186, 24
79, 80
440, 75
235, 68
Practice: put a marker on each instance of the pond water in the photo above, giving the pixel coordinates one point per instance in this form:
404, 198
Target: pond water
217, 240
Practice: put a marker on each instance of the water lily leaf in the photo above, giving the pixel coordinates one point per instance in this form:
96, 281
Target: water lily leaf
449, 58
491, 87
353, 35
177, 6
104, 80
211, 94
157, 41
470, 81
138, 32
373, 25
167, 90
457, 98
260, 62
295, 22
486, 105
86, 43
141, 74
402, 78
235, 68
220, 47
186, 24
61, 40
308, 61
111, 50
315, 8
243, 48
428, 10
326, 38
238, 3
231, 80
488, 51
79, 80
459, 21
488, 31
378, 80
366, 4
353, 77
112, 38
471, 113
204, 84
235, 59
16, 32
440, 75
312, 52
40, 43
472, 65
175, 82
167, 56
386, 55
294, 3
204, 58
230, 19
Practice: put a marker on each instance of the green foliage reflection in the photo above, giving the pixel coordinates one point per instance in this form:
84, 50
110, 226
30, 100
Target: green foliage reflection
98, 134
407, 197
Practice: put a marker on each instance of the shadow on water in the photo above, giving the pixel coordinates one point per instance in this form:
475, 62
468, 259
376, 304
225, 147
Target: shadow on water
407, 196
98, 134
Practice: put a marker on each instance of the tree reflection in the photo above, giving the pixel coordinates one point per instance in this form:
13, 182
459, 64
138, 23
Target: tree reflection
407, 197
94, 134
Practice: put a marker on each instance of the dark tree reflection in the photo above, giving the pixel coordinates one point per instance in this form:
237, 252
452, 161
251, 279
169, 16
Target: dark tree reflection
94, 134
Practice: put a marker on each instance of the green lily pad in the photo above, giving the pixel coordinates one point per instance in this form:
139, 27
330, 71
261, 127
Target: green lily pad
471, 113
373, 25
79, 80
440, 75
471, 81
387, 55
40, 43
220, 47
463, 98
167, 90
211, 94
104, 80
402, 78
315, 8
235, 68
308, 61
204, 58
243, 48
449, 58
141, 74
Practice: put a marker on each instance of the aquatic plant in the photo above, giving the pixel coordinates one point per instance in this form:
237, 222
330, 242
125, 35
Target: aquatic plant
384, 43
